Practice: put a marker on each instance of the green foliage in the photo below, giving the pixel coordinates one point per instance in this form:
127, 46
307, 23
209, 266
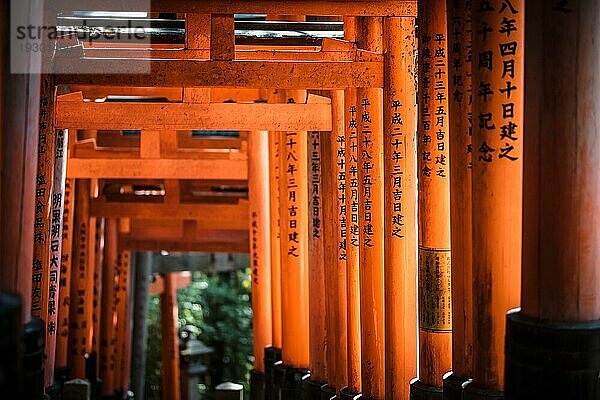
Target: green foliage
218, 307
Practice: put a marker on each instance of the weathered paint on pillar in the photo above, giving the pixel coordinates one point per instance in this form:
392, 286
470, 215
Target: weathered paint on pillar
371, 220
108, 315
335, 245
81, 299
62, 340
400, 124
497, 181
320, 340
260, 243
294, 246
352, 235
461, 150
433, 174
170, 339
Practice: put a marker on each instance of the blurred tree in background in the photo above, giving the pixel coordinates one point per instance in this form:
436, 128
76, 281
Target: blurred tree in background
218, 308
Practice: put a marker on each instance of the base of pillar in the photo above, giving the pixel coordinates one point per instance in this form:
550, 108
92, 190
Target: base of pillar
474, 392
347, 394
420, 391
257, 385
33, 359
272, 356
547, 360
291, 381
454, 386
311, 390
278, 378
328, 393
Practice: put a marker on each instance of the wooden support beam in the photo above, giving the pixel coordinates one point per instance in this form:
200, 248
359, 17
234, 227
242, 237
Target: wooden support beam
207, 216
435, 296
318, 54
188, 116
163, 264
320, 338
182, 280
290, 7
400, 123
109, 168
170, 339
371, 221
251, 74
260, 243
222, 37
171, 94
185, 245
150, 144
461, 161
353, 233
197, 31
66, 273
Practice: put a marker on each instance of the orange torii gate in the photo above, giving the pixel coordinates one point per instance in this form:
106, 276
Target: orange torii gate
334, 66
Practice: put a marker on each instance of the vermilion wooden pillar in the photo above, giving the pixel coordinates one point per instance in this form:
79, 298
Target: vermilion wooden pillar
260, 251
400, 122
371, 219
81, 298
170, 339
123, 348
274, 177
497, 185
123, 305
335, 250
461, 150
294, 257
62, 339
322, 341
352, 236
435, 310
273, 353
552, 344
98, 283
20, 95
108, 314
47, 238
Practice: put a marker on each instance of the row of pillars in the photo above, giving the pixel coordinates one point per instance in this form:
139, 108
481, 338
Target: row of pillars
387, 253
